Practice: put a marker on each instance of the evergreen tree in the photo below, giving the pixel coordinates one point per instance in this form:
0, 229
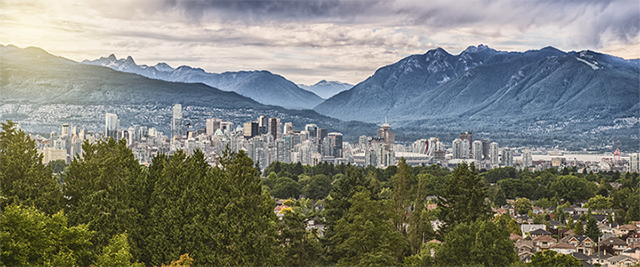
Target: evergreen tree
550, 258
499, 199
23, 178
117, 253
300, 247
476, 243
579, 228
463, 199
514, 228
420, 229
592, 229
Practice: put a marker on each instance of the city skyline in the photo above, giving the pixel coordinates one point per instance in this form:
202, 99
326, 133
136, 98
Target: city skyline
307, 41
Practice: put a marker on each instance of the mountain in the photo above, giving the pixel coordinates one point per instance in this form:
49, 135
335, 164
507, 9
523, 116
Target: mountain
539, 91
326, 89
42, 91
262, 86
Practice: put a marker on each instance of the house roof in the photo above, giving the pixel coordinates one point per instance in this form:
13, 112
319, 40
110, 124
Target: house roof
580, 256
634, 235
554, 222
515, 237
540, 232
612, 241
628, 227
562, 245
603, 255
580, 238
631, 250
544, 238
621, 258
524, 243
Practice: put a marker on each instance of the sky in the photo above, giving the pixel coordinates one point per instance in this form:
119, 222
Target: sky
307, 41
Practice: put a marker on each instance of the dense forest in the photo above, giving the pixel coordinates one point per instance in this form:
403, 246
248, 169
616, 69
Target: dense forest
105, 209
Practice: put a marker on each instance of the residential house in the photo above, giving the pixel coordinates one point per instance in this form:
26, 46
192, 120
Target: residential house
515, 237
617, 244
544, 242
555, 224
537, 210
568, 210
624, 229
582, 257
525, 228
605, 228
632, 252
524, 219
634, 238
600, 258
563, 248
621, 261
524, 249
539, 232
583, 244
580, 211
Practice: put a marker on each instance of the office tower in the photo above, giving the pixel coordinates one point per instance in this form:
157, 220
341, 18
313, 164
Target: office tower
322, 133
282, 151
486, 149
304, 136
111, 126
420, 146
432, 146
337, 144
362, 141
468, 137
53, 136
507, 157
263, 125
327, 146
494, 153
312, 129
226, 127
274, 128
65, 129
634, 162
250, 129
176, 122
288, 128
477, 150
213, 125
143, 132
456, 148
464, 153
527, 161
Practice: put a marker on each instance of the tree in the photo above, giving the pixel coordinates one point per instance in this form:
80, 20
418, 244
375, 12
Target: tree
420, 229
523, 205
514, 228
401, 187
463, 200
116, 253
592, 229
599, 203
579, 228
499, 199
571, 188
286, 188
476, 243
183, 261
23, 178
58, 166
30, 237
550, 258
318, 187
300, 247
366, 236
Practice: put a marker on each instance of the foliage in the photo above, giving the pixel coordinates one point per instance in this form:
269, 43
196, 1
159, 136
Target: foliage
500, 199
366, 237
514, 227
116, 253
463, 199
476, 243
299, 247
420, 229
183, 261
30, 237
58, 166
592, 229
550, 258
543, 203
571, 188
286, 188
318, 187
23, 178
599, 203
578, 228
523, 205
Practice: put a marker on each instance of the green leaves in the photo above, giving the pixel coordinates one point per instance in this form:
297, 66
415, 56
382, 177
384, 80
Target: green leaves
476, 243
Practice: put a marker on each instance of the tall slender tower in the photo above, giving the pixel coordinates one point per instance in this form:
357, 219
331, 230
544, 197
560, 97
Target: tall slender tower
176, 122
111, 126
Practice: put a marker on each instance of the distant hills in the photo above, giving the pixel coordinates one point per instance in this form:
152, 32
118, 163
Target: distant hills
537, 91
40, 89
261, 86
326, 89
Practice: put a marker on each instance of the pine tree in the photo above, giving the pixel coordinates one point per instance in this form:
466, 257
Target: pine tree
592, 229
579, 228
23, 178
420, 229
463, 199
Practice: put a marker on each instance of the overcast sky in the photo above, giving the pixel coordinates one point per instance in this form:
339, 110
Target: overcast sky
306, 41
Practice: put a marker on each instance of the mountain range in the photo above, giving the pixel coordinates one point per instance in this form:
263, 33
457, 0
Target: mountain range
537, 91
41, 90
261, 86
326, 89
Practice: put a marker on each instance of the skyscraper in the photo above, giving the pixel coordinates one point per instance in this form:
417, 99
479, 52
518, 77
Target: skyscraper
176, 122
274, 128
312, 129
486, 149
250, 129
263, 123
634, 162
507, 157
477, 151
213, 125
65, 129
288, 128
527, 161
494, 153
458, 152
111, 126
337, 144
468, 138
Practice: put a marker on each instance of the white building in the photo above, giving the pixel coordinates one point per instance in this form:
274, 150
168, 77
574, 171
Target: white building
527, 160
111, 125
176, 122
494, 153
476, 150
634, 162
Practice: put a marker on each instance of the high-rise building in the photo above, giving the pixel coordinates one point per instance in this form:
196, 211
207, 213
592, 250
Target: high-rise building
634, 162
494, 153
362, 141
507, 157
313, 130
486, 149
213, 125
250, 129
176, 122
263, 125
432, 146
274, 128
322, 133
288, 128
111, 126
65, 129
468, 137
420, 146
370, 158
527, 161
389, 137
226, 127
477, 151
457, 149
